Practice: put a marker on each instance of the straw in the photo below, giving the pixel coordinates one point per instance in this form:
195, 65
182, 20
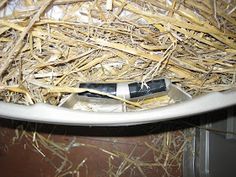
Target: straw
70, 42
165, 152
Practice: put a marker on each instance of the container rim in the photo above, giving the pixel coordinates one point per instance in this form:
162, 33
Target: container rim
44, 113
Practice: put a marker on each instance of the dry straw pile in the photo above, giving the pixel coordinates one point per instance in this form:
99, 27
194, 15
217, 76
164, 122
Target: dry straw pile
49, 46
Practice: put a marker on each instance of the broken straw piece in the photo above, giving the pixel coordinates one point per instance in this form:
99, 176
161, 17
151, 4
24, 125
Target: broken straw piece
109, 5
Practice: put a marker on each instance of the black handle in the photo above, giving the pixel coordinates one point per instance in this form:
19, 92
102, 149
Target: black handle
135, 89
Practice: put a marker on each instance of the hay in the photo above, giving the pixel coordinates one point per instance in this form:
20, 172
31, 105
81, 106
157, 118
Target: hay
61, 43
164, 151
43, 56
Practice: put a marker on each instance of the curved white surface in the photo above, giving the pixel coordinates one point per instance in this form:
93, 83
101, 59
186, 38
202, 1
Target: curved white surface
57, 115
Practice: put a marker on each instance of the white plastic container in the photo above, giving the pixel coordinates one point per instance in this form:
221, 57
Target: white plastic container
58, 115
